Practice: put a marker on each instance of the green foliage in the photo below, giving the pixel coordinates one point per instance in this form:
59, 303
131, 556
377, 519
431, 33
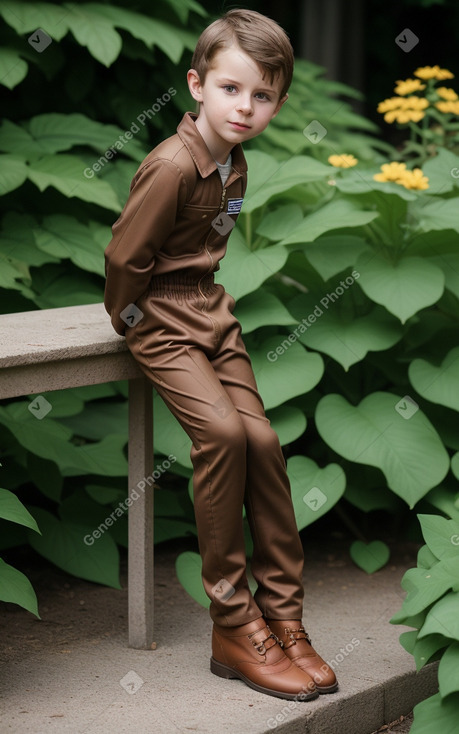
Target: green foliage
431, 606
14, 585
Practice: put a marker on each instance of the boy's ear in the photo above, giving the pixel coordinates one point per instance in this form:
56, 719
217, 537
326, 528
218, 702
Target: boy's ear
281, 102
194, 84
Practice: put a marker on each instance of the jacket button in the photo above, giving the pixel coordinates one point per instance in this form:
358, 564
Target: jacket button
204, 216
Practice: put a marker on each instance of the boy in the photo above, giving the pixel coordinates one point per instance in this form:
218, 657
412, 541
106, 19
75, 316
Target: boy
160, 263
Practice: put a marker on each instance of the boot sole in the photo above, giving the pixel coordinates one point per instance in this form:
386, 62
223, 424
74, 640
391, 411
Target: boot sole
327, 689
224, 671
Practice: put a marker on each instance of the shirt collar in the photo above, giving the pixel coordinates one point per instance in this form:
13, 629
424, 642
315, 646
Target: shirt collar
193, 140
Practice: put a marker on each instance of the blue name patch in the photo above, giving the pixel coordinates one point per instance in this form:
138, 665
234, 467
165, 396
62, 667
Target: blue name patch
234, 206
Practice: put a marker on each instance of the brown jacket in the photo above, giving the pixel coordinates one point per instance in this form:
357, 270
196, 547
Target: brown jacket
166, 224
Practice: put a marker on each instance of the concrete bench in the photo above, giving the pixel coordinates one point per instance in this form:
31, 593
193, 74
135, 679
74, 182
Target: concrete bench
58, 348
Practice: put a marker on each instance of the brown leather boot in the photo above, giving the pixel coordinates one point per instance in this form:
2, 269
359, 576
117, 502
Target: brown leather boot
251, 652
297, 645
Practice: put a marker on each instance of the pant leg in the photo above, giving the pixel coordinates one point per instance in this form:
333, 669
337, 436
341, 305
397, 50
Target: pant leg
277, 560
197, 362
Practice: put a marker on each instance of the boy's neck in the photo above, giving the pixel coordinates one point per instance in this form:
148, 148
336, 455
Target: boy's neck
218, 148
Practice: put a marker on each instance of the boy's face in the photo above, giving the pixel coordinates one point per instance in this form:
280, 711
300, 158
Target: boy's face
236, 103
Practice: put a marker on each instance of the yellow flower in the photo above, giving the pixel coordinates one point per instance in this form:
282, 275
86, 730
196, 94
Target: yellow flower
408, 86
447, 93
433, 72
452, 107
416, 103
398, 173
404, 116
390, 171
390, 104
415, 179
342, 161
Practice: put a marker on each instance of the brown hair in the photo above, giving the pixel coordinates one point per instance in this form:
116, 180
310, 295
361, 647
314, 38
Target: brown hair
260, 37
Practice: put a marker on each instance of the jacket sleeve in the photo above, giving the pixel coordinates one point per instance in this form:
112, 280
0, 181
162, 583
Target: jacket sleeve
158, 192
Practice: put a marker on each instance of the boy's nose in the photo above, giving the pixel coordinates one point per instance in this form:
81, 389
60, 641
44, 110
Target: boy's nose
245, 106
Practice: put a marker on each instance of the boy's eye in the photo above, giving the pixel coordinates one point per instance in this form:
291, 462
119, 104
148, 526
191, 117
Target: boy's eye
229, 88
262, 95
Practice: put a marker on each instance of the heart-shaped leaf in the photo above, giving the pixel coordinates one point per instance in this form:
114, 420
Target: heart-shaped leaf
389, 433
346, 339
369, 556
403, 287
261, 308
244, 270
298, 370
437, 384
314, 490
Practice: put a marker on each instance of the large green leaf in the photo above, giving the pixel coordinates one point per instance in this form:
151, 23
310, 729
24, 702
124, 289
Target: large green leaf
17, 589
65, 237
93, 30
437, 214
11, 508
13, 173
13, 69
345, 338
425, 586
422, 650
152, 31
261, 308
407, 449
17, 240
278, 223
28, 16
331, 255
437, 384
434, 168
443, 618
288, 421
361, 182
66, 174
434, 715
51, 440
314, 489
403, 287
298, 370
448, 671
243, 271
53, 132
334, 215
76, 550
269, 176
439, 534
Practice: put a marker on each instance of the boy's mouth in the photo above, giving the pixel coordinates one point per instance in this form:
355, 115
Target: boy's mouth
240, 126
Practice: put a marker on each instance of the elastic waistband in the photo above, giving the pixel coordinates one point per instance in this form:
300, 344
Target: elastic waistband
179, 285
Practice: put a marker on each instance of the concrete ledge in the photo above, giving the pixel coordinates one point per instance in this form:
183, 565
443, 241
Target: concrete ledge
70, 676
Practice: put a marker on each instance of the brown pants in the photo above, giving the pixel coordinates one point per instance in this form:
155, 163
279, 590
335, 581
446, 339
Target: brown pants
189, 345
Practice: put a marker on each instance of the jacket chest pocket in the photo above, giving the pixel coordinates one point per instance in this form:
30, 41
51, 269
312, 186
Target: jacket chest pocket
191, 230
